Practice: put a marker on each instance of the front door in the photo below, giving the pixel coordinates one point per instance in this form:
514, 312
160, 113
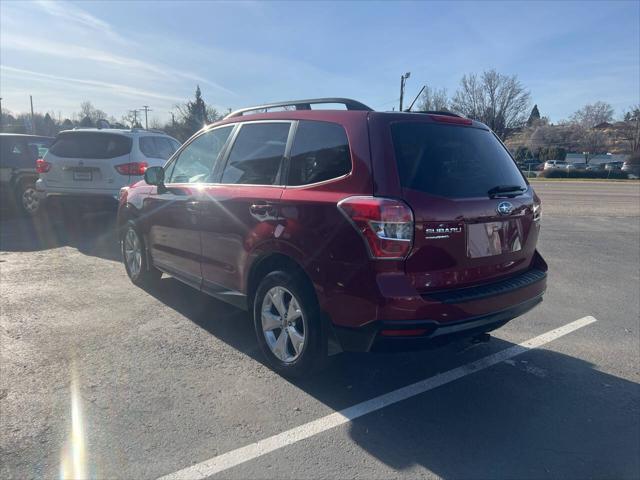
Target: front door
174, 213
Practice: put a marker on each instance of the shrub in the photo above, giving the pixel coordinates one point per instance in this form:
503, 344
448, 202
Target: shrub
615, 174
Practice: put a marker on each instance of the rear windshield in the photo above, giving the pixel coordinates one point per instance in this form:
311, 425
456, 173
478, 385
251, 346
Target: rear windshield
91, 145
452, 161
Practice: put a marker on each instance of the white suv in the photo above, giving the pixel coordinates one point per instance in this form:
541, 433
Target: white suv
97, 163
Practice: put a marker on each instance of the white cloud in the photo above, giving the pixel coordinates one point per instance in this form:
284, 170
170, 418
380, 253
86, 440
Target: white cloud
68, 50
117, 89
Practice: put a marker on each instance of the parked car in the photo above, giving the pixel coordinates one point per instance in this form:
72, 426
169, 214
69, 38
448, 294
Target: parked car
576, 166
613, 166
554, 164
18, 156
353, 230
89, 166
631, 169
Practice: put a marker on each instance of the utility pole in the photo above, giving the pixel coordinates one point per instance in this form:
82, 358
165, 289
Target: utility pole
403, 80
135, 117
146, 109
33, 125
173, 119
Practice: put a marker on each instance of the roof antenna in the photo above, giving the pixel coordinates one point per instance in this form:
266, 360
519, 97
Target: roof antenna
414, 100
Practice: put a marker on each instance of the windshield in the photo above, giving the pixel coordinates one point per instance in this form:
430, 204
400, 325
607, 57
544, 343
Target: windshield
452, 161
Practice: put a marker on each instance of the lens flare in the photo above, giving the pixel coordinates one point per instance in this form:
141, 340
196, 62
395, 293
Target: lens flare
73, 462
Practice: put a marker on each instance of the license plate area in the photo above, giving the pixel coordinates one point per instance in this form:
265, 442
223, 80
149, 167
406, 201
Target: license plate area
83, 174
494, 238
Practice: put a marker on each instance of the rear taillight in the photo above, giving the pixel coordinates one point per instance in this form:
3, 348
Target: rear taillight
42, 166
133, 168
385, 223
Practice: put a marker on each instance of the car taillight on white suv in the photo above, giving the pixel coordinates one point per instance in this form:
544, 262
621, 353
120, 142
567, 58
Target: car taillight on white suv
133, 168
385, 223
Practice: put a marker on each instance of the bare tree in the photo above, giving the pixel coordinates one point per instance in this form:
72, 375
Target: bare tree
88, 110
631, 130
593, 114
433, 99
500, 101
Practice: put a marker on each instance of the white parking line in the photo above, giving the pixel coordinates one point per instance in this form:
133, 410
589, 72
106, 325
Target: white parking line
244, 454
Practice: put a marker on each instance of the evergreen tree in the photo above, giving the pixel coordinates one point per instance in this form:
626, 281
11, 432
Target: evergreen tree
534, 116
195, 114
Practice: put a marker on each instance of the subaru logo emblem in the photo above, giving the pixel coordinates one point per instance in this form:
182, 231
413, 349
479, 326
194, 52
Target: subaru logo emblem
504, 208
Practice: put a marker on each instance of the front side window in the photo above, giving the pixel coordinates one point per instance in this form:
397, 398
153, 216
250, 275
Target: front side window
91, 145
196, 161
320, 152
256, 155
158, 147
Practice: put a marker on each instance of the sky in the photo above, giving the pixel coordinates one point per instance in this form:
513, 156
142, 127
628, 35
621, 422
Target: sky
122, 55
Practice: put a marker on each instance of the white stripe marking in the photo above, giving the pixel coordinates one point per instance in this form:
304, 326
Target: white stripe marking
244, 454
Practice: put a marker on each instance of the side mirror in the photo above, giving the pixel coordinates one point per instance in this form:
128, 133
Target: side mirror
154, 176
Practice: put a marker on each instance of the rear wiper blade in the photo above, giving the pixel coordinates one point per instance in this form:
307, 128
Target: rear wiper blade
505, 191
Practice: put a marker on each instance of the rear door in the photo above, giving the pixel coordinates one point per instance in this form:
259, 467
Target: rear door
242, 211
473, 208
87, 160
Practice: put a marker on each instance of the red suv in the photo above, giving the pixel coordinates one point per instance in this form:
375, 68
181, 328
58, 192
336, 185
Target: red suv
342, 229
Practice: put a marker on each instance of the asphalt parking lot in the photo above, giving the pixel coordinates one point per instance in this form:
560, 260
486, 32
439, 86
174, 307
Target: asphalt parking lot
103, 378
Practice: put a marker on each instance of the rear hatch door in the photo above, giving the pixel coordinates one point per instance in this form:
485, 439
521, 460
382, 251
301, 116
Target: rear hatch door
474, 211
87, 160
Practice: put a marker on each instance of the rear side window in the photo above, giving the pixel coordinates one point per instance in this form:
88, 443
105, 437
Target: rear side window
91, 145
157, 147
256, 155
14, 152
452, 161
320, 152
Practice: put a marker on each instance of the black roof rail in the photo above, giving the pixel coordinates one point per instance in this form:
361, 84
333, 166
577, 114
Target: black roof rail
303, 105
438, 112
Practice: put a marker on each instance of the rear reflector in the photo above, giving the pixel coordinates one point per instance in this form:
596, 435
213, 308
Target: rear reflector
448, 119
403, 333
42, 166
133, 168
385, 223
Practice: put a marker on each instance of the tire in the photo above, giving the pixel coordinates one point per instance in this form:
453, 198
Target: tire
27, 198
289, 355
134, 257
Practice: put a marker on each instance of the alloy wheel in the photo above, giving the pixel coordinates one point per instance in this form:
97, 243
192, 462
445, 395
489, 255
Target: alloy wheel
132, 252
283, 324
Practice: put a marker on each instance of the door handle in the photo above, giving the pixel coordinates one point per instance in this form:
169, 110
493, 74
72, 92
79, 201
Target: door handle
193, 207
259, 208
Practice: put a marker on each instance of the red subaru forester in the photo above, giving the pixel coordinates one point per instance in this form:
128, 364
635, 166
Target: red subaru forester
342, 229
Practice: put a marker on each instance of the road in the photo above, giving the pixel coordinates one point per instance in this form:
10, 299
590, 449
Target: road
114, 382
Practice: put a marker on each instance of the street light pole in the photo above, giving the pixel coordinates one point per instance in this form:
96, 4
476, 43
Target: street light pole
403, 80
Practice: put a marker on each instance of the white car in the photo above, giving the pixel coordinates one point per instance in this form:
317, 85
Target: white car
96, 163
553, 164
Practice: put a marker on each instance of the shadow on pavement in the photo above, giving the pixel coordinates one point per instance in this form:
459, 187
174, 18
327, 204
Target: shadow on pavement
92, 233
541, 415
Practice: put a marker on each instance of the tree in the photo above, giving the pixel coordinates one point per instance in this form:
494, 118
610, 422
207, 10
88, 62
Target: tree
86, 122
433, 99
49, 127
194, 114
593, 114
631, 130
534, 116
500, 101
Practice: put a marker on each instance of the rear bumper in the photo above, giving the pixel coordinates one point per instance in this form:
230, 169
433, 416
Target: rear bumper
371, 337
46, 191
